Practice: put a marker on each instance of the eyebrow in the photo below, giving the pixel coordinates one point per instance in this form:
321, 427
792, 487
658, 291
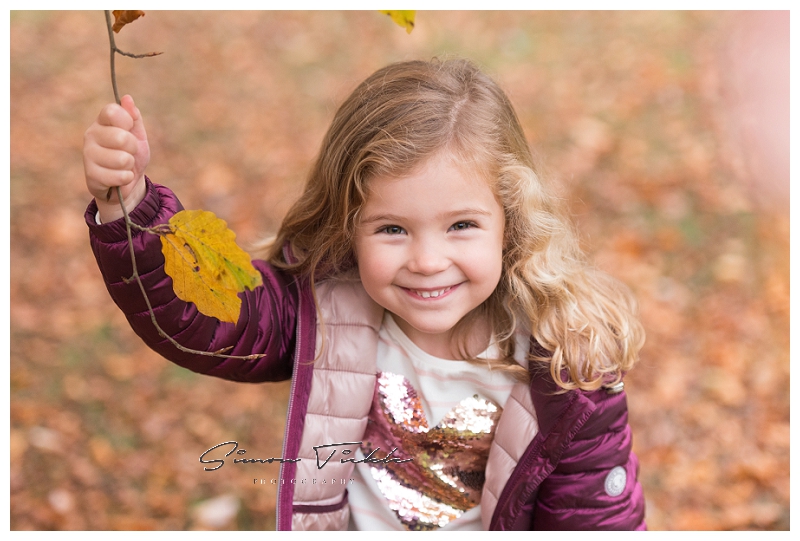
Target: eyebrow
450, 214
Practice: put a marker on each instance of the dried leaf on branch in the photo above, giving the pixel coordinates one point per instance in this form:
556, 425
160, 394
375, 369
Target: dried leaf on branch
123, 17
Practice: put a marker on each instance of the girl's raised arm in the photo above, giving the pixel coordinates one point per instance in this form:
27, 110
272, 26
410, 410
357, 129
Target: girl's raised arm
116, 154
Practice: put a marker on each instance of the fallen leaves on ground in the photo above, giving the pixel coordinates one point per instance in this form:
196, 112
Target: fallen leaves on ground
628, 113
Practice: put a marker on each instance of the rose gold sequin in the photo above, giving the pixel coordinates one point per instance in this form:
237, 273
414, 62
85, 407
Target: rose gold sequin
446, 473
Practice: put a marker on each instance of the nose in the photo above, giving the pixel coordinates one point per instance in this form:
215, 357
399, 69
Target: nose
428, 257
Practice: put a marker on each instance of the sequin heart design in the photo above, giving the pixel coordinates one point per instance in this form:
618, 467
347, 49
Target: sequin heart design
445, 475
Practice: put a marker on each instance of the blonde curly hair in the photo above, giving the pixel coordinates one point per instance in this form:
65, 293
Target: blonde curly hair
584, 321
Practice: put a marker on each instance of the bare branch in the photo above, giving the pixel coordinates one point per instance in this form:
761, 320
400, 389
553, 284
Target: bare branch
113, 69
156, 230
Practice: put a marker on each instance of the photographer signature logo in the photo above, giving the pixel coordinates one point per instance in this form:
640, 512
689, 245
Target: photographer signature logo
320, 452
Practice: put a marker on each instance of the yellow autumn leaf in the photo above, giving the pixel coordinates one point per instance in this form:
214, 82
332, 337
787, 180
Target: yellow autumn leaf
403, 17
206, 265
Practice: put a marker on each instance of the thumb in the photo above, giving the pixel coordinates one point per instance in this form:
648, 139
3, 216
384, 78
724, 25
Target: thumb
138, 123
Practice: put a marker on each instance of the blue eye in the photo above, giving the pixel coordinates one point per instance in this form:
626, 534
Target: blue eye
391, 230
461, 226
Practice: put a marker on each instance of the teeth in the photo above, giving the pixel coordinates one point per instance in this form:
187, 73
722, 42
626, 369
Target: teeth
428, 294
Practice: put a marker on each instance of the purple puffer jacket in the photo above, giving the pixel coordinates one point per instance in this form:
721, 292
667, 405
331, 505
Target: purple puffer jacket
577, 473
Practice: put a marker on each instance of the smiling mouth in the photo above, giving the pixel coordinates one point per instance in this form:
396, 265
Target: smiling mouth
430, 293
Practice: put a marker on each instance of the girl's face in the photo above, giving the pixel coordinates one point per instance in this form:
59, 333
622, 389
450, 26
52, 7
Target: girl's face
429, 247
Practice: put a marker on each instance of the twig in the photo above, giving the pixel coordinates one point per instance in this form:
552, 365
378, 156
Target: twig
114, 50
113, 47
130, 225
131, 55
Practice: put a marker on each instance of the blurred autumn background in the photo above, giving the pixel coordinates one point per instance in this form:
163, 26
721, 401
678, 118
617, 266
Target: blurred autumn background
668, 132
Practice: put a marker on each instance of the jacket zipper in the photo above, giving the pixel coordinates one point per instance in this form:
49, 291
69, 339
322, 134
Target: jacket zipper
289, 409
529, 457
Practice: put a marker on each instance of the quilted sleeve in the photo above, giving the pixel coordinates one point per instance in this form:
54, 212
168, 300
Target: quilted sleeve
594, 486
266, 324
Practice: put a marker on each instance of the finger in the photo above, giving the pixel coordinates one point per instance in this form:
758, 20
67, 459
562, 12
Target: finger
114, 139
127, 103
138, 123
114, 115
113, 159
100, 179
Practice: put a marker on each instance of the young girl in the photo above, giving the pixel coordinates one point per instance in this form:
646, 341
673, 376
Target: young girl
455, 362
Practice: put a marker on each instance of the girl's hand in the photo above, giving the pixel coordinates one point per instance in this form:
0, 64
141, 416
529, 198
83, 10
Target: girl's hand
115, 153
